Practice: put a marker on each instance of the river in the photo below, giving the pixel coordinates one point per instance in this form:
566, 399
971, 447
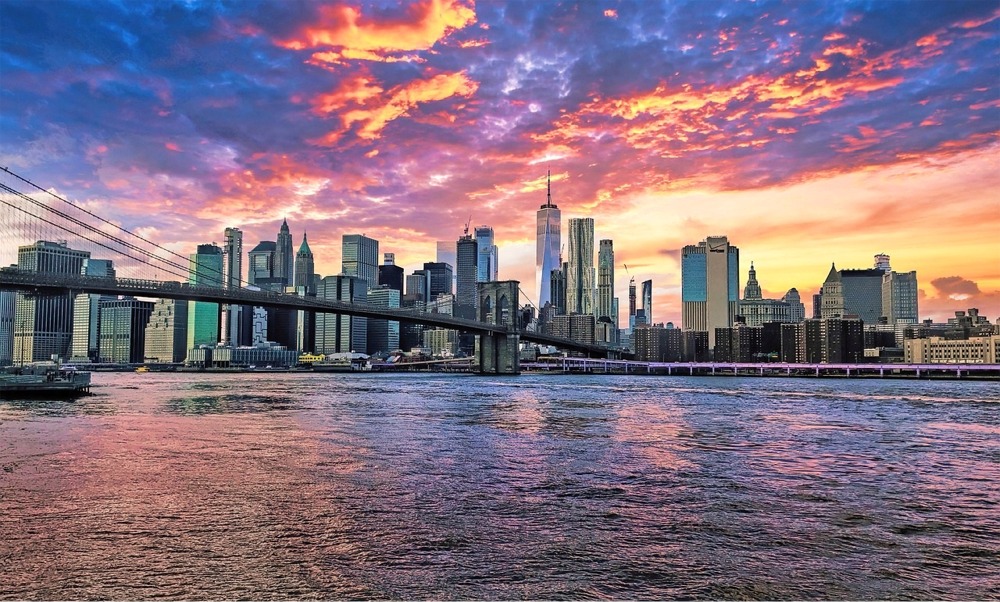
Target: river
537, 486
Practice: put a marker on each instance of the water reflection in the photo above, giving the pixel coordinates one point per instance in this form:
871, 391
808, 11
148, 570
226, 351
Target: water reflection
431, 486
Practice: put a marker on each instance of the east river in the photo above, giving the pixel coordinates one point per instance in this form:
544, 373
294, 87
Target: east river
537, 486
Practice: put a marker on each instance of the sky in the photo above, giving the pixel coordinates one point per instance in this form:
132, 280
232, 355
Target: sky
809, 133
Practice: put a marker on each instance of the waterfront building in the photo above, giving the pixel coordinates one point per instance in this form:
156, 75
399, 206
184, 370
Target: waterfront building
383, 335
204, 269
43, 323
487, 256
694, 346
260, 261
336, 333
548, 243
442, 342
284, 255
940, 350
863, 294
580, 276
828, 341
360, 258
832, 295
657, 344
467, 275
86, 314
793, 343
709, 285
165, 339
123, 330
577, 327
390, 274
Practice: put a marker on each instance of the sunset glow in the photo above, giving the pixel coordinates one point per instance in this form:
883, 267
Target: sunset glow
807, 132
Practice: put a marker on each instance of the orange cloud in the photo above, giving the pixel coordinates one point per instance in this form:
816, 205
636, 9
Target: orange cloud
353, 36
373, 116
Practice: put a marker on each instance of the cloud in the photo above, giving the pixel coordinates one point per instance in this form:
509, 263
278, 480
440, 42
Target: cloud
955, 287
351, 35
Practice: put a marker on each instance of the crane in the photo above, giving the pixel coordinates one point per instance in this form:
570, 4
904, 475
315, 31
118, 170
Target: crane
467, 224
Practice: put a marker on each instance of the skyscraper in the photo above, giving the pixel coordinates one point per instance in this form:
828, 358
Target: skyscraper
439, 277
336, 333
204, 269
580, 278
863, 294
166, 332
283, 255
305, 267
548, 243
390, 274
86, 314
233, 278
383, 335
604, 308
360, 258
261, 261
710, 285
467, 275
752, 292
123, 329
43, 323
647, 300
7, 327
899, 298
832, 295
486, 260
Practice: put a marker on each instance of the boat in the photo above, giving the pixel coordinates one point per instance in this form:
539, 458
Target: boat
142, 369
44, 379
343, 362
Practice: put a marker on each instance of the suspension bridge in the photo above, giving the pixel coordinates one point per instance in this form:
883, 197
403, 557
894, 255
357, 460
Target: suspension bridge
147, 269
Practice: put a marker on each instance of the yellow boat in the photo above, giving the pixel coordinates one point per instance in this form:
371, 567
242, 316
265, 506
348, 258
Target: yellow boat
142, 369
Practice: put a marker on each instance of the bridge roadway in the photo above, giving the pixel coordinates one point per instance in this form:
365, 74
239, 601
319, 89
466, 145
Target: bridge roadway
27, 281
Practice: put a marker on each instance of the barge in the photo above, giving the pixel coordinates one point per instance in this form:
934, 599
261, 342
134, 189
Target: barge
43, 380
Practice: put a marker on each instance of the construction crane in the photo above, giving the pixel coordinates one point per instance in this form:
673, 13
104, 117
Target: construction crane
467, 224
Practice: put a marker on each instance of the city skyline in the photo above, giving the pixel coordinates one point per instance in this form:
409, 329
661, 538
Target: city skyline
808, 134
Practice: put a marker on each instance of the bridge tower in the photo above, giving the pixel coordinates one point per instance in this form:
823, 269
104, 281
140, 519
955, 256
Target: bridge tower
498, 304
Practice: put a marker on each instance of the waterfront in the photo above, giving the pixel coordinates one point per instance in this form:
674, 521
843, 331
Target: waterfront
537, 486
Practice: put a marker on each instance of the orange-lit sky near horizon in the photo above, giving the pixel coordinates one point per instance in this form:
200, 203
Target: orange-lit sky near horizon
807, 132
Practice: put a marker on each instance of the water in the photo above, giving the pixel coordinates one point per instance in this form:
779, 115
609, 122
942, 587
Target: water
438, 486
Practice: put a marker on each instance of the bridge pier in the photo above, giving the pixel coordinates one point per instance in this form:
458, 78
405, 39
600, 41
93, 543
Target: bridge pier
498, 304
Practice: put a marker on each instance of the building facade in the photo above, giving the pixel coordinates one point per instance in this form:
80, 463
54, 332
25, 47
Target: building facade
165, 340
260, 261
86, 314
548, 242
205, 269
487, 256
337, 333
899, 298
360, 258
467, 275
43, 323
709, 285
123, 330
284, 255
580, 275
383, 335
